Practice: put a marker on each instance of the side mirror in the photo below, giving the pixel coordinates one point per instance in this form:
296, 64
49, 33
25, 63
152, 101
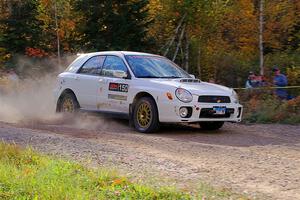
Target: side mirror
120, 74
192, 75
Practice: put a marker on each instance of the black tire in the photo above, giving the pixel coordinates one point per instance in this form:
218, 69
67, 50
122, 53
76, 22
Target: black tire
143, 124
70, 98
211, 125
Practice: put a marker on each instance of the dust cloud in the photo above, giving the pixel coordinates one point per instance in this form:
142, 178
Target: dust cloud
30, 99
26, 94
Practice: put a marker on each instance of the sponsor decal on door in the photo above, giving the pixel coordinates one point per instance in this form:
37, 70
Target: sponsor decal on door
118, 87
117, 97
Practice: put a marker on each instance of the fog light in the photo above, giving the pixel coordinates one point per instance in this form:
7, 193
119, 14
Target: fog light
183, 112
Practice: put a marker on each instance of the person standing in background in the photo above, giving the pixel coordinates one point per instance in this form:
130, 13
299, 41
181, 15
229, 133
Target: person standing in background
252, 81
280, 80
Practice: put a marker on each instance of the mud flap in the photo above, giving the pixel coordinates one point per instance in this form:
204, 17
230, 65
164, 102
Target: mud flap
131, 124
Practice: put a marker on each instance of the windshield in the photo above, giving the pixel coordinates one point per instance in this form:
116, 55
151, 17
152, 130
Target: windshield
154, 67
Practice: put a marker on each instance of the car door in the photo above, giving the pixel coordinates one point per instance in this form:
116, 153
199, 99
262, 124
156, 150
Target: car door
114, 85
87, 82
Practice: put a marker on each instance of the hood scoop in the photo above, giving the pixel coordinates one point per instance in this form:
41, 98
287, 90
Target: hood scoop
189, 80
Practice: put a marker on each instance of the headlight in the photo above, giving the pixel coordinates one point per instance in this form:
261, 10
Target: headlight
183, 95
235, 96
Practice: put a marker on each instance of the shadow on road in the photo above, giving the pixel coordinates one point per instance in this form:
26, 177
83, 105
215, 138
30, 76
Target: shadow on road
231, 134
236, 135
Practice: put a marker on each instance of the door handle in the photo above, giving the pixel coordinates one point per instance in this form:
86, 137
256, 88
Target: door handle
76, 78
101, 80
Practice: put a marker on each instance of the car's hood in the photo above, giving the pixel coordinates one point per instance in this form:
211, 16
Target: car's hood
196, 87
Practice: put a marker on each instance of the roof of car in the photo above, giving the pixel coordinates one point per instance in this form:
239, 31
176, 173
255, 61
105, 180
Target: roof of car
119, 53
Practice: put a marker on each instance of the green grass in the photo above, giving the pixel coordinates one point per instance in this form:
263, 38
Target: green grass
25, 174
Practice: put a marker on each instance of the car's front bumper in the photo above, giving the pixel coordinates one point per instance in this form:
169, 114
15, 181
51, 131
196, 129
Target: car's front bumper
169, 112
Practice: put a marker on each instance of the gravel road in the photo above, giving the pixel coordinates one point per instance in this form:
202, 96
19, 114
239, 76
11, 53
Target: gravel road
262, 161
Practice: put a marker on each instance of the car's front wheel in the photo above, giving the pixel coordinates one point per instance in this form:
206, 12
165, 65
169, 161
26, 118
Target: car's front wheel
145, 115
68, 103
211, 125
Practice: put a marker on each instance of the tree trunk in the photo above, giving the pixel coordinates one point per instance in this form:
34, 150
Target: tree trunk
182, 55
9, 6
179, 42
261, 31
57, 34
175, 35
186, 52
199, 62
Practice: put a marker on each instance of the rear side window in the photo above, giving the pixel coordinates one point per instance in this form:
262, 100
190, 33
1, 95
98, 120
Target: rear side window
92, 66
113, 64
76, 64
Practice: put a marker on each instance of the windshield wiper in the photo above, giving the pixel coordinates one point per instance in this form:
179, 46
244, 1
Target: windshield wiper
148, 77
159, 77
171, 77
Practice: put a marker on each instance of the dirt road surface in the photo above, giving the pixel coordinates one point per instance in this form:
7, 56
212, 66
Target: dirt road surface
261, 161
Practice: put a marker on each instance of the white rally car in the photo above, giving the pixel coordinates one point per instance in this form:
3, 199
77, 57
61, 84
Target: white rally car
149, 89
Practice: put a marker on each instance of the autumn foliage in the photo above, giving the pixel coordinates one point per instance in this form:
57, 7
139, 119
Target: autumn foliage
35, 52
219, 38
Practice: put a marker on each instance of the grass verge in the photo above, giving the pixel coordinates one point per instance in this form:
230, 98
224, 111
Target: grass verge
266, 108
25, 174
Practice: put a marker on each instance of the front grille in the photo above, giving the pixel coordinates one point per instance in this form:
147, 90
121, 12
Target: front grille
210, 113
214, 99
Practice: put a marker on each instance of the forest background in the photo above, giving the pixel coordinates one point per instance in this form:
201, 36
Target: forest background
212, 39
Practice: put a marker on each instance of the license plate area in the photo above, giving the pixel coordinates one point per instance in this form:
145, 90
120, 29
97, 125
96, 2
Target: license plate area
219, 110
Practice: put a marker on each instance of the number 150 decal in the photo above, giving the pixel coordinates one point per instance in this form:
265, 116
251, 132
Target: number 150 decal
118, 87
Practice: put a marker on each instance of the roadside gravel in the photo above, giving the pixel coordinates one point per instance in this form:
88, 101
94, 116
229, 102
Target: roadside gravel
261, 161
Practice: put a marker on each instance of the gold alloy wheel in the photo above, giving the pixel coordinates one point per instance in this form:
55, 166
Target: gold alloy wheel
68, 105
144, 115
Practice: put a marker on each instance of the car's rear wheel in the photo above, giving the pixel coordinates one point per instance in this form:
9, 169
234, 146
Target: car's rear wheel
211, 125
68, 103
145, 115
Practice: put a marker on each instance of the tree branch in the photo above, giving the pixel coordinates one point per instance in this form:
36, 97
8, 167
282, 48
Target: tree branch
175, 34
179, 42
